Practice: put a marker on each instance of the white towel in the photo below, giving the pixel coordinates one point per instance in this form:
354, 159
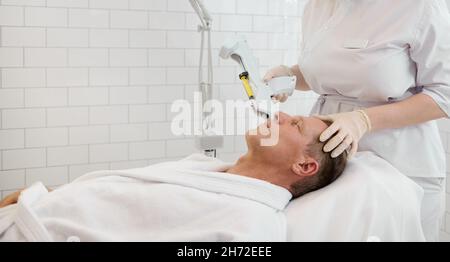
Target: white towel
188, 200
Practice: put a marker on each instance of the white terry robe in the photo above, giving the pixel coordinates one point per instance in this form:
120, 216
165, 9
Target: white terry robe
187, 200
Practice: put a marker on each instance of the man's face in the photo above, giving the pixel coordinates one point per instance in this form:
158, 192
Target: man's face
294, 135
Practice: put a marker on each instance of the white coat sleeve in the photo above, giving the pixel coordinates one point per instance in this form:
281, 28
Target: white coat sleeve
431, 53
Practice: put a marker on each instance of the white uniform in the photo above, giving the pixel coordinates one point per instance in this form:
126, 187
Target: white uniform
363, 53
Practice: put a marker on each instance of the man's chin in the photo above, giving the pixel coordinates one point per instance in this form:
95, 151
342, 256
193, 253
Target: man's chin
261, 131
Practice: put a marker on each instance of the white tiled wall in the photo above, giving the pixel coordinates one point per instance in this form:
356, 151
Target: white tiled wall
87, 84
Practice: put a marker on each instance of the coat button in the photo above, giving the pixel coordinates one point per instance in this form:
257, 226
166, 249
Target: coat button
73, 239
322, 101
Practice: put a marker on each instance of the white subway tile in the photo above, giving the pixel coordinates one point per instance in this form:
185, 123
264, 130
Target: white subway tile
88, 57
182, 75
67, 77
285, 8
191, 91
58, 156
128, 57
176, 5
253, 7
148, 5
42, 16
67, 116
23, 158
23, 118
192, 57
44, 137
225, 75
182, 147
109, 4
24, 2
108, 115
88, 96
108, 153
11, 139
59, 37
232, 92
292, 25
283, 41
88, 18
49, 176
165, 94
128, 95
147, 150
166, 57
228, 157
23, 36
228, 145
183, 39
11, 98
219, 38
220, 6
236, 23
79, 170
68, 3
161, 131
147, 113
11, 57
108, 76
128, 132
108, 38
257, 40
45, 57
11, 15
147, 76
129, 19
192, 22
88, 135
240, 144
23, 77
45, 97
271, 24
165, 20
147, 39
129, 164
13, 179
269, 57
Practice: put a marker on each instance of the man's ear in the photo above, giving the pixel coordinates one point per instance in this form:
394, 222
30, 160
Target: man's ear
306, 167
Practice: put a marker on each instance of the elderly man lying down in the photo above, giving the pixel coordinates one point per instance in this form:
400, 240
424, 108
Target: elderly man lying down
195, 199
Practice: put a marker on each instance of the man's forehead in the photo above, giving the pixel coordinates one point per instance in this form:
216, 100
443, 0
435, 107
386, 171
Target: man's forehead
312, 125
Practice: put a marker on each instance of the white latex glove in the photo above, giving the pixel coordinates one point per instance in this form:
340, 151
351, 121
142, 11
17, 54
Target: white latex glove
278, 71
347, 128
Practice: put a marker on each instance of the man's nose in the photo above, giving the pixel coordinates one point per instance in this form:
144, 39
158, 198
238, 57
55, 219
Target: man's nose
282, 117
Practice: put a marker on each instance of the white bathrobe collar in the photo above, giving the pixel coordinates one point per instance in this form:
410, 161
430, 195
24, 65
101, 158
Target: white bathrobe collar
192, 172
244, 187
